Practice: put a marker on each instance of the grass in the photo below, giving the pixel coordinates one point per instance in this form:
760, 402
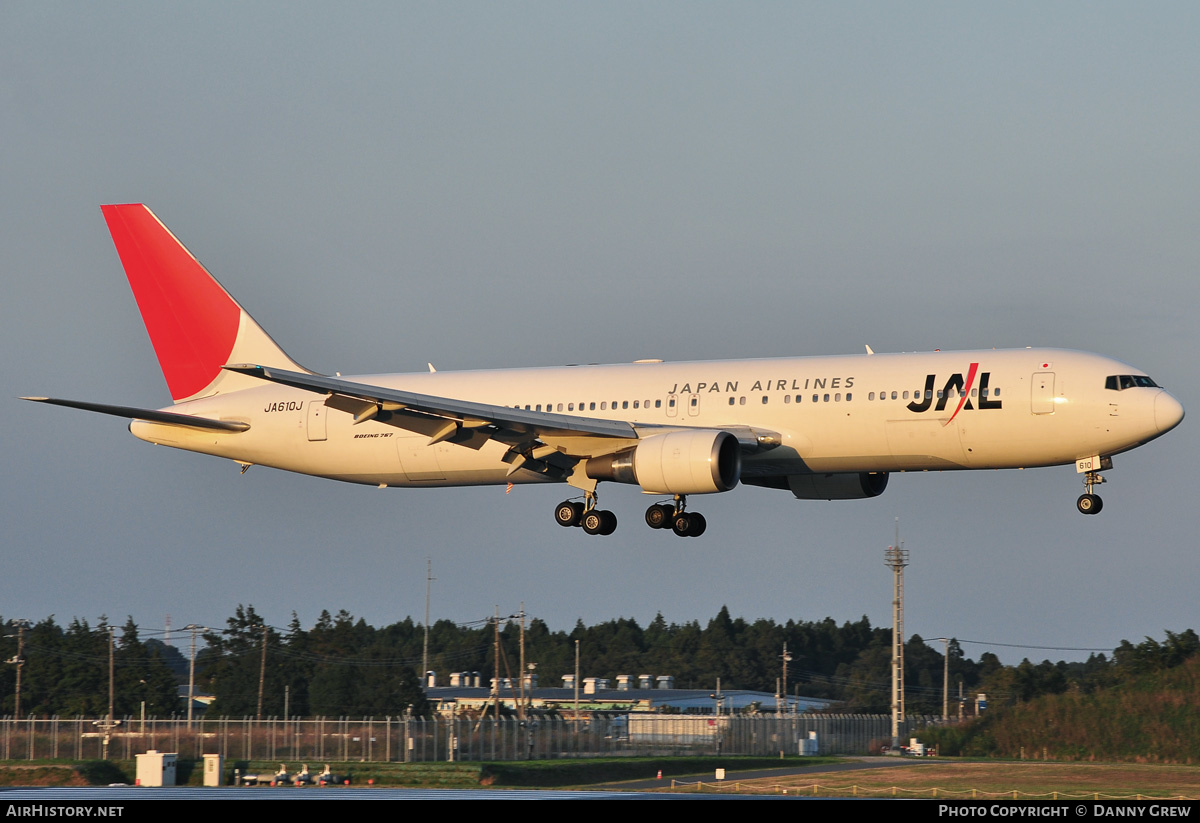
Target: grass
993, 779
943, 779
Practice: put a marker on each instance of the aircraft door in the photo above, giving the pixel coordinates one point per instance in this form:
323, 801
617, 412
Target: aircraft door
693, 402
1042, 399
316, 420
672, 405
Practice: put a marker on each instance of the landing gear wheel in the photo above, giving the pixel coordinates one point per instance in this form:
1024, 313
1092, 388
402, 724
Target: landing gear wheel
659, 516
1089, 504
568, 513
599, 522
698, 524
681, 524
592, 522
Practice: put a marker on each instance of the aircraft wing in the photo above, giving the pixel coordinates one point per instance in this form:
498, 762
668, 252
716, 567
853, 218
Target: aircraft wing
445, 418
541, 441
442, 418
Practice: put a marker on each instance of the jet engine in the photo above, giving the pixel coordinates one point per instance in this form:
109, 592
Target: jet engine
699, 461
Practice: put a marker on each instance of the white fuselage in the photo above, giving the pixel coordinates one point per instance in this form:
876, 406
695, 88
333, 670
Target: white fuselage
862, 413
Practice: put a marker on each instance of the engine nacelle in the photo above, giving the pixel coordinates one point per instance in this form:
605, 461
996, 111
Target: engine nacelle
683, 462
843, 486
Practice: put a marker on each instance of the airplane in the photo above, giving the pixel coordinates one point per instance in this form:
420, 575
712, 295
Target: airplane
833, 428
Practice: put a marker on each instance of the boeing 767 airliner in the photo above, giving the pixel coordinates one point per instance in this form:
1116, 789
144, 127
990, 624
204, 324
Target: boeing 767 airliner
819, 427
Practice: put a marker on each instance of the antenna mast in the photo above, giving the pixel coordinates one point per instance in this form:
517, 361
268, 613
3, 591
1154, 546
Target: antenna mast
896, 558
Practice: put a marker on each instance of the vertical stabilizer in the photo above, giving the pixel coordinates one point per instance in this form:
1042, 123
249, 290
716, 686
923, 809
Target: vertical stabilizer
196, 327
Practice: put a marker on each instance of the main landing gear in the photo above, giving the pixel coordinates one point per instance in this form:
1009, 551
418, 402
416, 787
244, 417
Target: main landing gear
585, 515
672, 516
659, 516
1089, 503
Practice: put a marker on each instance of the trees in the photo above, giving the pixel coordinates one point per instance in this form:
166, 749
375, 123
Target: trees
66, 672
344, 666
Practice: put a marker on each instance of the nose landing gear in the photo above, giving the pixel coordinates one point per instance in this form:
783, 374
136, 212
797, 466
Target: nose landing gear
1089, 503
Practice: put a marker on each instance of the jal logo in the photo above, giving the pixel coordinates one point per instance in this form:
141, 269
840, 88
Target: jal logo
956, 383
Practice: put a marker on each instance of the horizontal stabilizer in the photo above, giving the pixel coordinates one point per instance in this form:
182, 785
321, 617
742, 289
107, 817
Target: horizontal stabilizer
169, 418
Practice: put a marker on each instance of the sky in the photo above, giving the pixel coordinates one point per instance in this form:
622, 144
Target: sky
493, 185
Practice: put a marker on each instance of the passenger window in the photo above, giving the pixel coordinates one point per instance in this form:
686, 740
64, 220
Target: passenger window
592, 406
560, 407
787, 398
635, 404
603, 405
837, 398
764, 400
849, 397
742, 401
826, 398
731, 401
658, 404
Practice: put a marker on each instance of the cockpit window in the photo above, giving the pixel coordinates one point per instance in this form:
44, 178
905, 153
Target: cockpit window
1119, 382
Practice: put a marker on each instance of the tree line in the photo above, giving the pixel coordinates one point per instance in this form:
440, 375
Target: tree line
343, 666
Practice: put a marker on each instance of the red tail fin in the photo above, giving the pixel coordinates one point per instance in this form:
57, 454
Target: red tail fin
194, 324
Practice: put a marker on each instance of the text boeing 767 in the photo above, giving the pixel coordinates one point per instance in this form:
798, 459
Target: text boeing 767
820, 427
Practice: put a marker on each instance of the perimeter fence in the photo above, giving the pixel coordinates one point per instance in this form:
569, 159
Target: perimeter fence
404, 739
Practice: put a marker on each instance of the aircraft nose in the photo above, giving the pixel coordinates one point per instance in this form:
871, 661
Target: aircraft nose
1167, 412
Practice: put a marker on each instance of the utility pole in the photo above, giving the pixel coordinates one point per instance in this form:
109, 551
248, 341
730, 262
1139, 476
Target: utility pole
110, 723
896, 558
19, 660
262, 671
111, 677
429, 578
521, 671
576, 685
946, 681
496, 679
786, 659
193, 628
